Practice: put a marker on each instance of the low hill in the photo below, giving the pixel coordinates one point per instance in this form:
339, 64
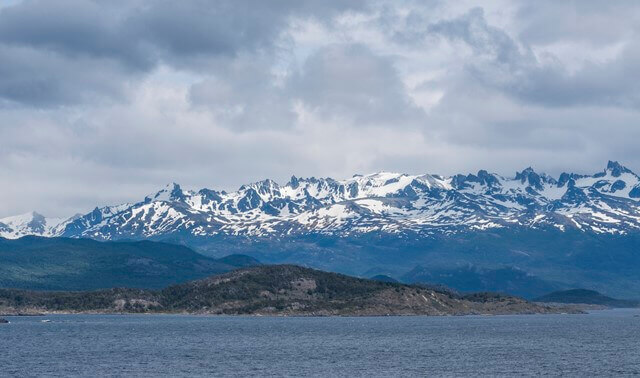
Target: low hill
383, 278
271, 290
39, 263
584, 296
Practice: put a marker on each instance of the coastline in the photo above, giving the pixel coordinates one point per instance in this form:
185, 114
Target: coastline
569, 310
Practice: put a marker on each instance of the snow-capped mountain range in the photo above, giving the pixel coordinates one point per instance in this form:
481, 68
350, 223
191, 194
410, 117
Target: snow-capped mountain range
393, 203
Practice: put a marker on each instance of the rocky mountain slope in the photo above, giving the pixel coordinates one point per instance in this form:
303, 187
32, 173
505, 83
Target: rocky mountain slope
272, 290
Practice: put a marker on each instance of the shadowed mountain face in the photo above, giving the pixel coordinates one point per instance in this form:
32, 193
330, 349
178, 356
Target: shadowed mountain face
275, 290
84, 264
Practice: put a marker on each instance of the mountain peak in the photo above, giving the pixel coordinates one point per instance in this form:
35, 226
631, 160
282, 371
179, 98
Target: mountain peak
294, 182
616, 168
487, 178
23, 218
379, 178
37, 216
32, 223
170, 192
530, 177
262, 187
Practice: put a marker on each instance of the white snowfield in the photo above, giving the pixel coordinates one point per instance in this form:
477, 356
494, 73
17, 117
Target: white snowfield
606, 202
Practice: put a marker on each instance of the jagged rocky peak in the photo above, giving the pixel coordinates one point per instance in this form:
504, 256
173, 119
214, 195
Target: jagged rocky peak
211, 195
487, 178
530, 177
616, 169
294, 183
483, 177
96, 215
566, 178
263, 186
535, 180
302, 183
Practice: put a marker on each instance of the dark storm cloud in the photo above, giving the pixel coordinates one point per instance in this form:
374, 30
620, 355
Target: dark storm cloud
42, 41
75, 29
42, 78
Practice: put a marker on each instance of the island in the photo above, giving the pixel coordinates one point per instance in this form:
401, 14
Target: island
586, 297
277, 290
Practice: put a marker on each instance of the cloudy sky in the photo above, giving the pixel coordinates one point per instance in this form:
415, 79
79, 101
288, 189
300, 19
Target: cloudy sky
102, 102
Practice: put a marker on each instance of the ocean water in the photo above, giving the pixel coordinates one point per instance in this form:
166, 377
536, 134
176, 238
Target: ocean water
602, 343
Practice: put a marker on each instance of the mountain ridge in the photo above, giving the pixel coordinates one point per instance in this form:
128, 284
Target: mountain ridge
393, 203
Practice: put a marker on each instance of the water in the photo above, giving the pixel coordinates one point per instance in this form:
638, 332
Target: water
602, 343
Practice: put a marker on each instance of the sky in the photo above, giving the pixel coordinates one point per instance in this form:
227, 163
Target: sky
104, 102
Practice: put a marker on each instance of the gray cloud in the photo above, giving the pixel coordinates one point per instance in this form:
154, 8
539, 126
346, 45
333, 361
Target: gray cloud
501, 63
336, 81
349, 79
590, 21
243, 95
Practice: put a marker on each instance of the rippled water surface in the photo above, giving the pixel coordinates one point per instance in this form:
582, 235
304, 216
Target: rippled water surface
601, 343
